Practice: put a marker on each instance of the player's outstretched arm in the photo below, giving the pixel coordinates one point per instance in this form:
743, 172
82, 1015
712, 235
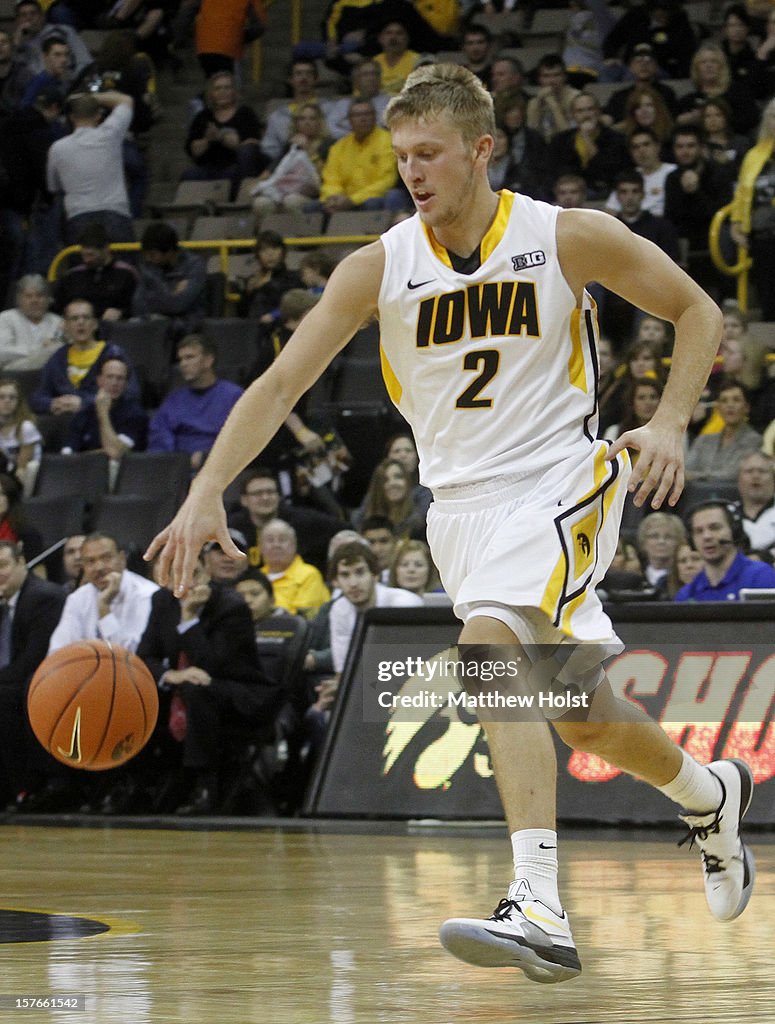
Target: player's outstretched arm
594, 246
349, 299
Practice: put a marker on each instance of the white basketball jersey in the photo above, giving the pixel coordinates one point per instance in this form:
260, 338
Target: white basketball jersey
496, 371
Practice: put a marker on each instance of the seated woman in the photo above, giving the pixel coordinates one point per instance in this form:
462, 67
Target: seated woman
722, 145
20, 439
646, 110
412, 569
659, 536
390, 494
296, 178
640, 404
685, 565
717, 456
223, 139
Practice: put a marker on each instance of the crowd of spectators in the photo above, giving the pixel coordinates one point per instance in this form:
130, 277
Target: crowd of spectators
250, 659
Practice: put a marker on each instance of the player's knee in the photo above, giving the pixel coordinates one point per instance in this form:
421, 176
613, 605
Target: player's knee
588, 737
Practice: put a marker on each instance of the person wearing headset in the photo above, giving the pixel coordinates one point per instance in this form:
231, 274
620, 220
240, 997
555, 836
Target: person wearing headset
716, 532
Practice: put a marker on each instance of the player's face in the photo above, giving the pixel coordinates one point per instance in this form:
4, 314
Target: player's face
12, 573
437, 167
412, 572
356, 583
256, 598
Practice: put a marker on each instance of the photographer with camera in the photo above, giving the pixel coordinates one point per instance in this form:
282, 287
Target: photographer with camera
87, 166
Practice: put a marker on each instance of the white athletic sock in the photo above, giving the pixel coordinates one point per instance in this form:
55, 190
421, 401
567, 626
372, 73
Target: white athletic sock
535, 861
694, 788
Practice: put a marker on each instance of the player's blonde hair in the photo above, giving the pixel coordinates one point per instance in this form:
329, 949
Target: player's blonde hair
435, 89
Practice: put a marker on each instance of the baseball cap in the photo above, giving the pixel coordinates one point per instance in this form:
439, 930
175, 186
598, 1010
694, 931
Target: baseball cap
236, 535
642, 50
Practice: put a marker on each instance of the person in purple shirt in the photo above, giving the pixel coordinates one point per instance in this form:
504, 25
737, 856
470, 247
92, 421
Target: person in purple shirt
188, 420
717, 533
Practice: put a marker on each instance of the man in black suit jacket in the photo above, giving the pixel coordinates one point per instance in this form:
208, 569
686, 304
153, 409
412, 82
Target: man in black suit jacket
33, 606
202, 647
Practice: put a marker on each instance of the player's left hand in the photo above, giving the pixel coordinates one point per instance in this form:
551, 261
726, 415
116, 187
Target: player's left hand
200, 518
659, 467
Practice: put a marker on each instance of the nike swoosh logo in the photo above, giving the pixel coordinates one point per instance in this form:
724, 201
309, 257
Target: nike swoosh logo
411, 286
74, 753
543, 846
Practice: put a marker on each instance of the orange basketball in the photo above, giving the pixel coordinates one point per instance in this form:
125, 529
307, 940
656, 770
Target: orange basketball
92, 705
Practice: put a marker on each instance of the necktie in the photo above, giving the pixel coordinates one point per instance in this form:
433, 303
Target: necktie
178, 720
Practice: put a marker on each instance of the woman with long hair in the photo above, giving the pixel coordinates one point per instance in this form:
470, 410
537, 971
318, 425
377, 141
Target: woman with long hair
390, 494
402, 448
685, 565
752, 218
20, 439
721, 144
640, 403
646, 109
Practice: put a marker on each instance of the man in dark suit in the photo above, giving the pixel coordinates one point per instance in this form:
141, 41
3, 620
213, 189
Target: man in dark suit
201, 650
29, 612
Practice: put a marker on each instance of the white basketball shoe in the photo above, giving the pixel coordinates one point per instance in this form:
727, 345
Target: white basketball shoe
728, 864
522, 932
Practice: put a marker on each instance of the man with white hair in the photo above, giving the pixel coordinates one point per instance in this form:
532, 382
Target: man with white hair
756, 486
298, 586
29, 332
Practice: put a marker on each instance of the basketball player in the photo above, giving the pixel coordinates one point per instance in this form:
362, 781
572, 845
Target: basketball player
488, 341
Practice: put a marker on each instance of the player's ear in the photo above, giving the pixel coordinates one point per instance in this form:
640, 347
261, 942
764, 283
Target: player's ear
483, 147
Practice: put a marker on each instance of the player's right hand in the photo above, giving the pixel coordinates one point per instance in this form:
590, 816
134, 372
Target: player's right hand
659, 467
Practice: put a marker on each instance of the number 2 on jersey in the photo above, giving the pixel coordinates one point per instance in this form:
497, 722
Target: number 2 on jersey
488, 359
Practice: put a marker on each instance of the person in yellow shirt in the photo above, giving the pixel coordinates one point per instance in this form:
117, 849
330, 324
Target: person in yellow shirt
395, 59
298, 586
360, 169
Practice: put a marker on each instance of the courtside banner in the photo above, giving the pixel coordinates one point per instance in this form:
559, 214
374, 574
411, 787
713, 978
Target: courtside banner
405, 739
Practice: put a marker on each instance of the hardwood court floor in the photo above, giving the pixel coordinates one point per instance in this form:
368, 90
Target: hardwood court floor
278, 927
